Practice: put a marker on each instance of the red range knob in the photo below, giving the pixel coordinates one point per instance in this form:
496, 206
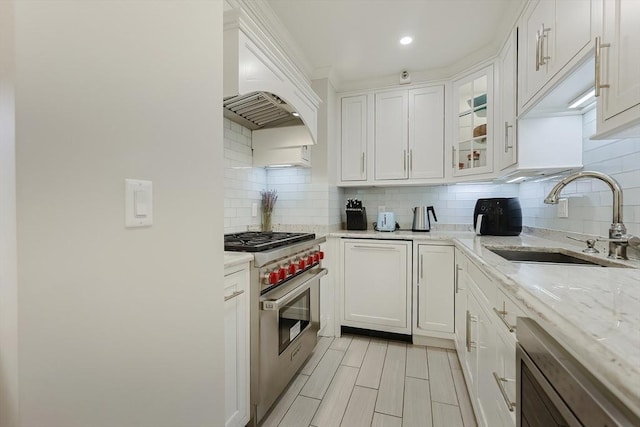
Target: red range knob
282, 273
310, 260
273, 277
316, 257
321, 254
302, 264
292, 269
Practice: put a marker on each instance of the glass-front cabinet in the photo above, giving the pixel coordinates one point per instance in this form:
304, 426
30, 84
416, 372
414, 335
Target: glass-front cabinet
472, 150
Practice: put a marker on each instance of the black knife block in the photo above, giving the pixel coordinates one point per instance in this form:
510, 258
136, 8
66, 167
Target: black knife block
357, 219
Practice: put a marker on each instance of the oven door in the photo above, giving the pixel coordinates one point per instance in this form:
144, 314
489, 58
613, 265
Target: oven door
289, 324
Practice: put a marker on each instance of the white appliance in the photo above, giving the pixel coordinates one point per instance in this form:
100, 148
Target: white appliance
386, 222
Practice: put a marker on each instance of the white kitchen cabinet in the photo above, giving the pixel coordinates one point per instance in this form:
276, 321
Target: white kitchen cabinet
354, 134
376, 290
409, 141
507, 149
399, 133
391, 135
236, 333
552, 33
460, 305
473, 139
434, 291
485, 343
426, 133
619, 104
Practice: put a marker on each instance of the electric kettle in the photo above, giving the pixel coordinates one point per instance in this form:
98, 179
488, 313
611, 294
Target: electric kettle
421, 220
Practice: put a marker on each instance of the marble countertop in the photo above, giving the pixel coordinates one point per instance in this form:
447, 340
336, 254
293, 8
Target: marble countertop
594, 312
232, 259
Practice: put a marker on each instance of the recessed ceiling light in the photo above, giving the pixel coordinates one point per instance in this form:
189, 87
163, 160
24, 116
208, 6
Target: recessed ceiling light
406, 40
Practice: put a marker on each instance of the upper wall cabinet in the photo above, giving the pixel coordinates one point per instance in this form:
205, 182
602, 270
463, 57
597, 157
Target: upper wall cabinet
553, 34
506, 149
399, 134
409, 134
618, 60
353, 142
472, 149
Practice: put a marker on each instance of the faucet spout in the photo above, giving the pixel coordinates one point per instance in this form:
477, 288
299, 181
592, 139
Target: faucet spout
618, 239
554, 194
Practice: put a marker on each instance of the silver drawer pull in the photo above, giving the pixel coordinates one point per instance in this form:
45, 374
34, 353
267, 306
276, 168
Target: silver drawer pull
376, 248
502, 315
499, 380
233, 295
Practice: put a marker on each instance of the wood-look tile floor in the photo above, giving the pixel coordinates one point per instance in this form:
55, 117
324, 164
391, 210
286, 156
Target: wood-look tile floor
355, 381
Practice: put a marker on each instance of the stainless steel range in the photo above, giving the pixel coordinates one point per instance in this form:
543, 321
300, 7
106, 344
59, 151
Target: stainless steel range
284, 308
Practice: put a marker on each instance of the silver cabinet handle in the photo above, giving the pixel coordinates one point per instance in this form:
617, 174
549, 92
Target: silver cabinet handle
502, 314
499, 380
404, 159
470, 318
363, 162
538, 50
598, 65
375, 248
457, 278
543, 35
453, 157
506, 137
421, 266
410, 159
233, 295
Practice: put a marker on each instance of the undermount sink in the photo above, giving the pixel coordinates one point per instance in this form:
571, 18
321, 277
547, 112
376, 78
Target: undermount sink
551, 256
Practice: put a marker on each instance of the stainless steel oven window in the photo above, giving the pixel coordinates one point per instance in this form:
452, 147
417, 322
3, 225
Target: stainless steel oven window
293, 319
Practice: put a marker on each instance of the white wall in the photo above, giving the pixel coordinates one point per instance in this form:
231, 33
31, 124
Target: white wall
119, 327
8, 280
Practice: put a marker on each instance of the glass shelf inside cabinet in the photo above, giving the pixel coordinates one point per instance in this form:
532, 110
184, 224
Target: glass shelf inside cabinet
472, 124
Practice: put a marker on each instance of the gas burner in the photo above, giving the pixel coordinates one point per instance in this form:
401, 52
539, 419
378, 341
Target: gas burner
256, 241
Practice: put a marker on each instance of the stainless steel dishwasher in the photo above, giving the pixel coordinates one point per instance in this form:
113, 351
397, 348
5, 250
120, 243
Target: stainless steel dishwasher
554, 389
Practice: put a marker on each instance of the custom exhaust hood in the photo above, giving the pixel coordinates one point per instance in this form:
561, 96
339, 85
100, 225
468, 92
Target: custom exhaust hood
262, 87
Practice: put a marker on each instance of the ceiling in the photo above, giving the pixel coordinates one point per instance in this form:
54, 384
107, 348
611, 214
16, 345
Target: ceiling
358, 40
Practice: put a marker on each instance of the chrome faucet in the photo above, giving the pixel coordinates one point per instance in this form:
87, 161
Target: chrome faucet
618, 237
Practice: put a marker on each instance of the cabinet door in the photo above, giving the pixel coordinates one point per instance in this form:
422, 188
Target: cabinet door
571, 32
236, 334
486, 342
460, 291
426, 133
472, 152
375, 285
391, 156
471, 342
506, 374
507, 149
621, 60
435, 288
353, 146
534, 45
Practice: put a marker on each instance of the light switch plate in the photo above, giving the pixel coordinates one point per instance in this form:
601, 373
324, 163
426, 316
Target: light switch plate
138, 203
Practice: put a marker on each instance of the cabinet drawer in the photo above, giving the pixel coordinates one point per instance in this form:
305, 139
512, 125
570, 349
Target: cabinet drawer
507, 311
483, 282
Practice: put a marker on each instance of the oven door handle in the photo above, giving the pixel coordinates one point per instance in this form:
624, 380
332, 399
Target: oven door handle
284, 300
